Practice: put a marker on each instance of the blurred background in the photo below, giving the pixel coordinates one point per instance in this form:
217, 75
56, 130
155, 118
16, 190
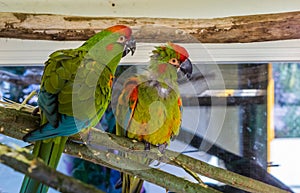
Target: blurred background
240, 111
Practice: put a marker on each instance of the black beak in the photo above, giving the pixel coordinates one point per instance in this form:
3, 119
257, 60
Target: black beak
187, 68
130, 46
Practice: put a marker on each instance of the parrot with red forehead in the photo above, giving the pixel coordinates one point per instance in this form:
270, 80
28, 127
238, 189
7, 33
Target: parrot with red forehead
75, 91
149, 106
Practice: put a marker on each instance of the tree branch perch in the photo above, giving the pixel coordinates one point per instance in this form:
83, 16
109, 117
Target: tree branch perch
237, 29
16, 123
25, 162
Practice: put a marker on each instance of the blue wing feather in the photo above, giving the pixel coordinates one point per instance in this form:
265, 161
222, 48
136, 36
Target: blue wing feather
68, 126
49, 106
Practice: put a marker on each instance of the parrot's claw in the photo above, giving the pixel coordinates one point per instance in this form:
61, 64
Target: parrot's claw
147, 146
162, 147
162, 150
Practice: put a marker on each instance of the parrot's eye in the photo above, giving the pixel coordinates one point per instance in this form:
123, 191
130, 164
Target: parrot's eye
121, 39
174, 62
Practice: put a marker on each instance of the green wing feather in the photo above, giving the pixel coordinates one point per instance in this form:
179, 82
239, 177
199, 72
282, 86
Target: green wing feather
77, 83
145, 115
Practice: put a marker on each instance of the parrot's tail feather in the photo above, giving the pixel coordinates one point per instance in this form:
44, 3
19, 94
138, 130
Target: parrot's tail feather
50, 152
30, 184
70, 127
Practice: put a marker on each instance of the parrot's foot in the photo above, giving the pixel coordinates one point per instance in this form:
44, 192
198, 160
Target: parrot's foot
147, 146
162, 147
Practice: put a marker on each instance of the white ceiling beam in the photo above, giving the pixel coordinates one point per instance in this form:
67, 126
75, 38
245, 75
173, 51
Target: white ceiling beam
33, 52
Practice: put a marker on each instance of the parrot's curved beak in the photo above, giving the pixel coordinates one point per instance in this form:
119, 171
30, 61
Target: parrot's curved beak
187, 68
130, 46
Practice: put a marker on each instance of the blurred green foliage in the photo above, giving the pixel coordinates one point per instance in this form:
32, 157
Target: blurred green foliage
287, 99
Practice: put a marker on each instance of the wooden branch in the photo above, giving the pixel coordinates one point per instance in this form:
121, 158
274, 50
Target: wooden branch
251, 28
123, 144
156, 176
16, 123
16, 120
25, 162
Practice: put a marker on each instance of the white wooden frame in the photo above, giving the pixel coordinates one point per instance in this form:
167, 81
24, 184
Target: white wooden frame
35, 52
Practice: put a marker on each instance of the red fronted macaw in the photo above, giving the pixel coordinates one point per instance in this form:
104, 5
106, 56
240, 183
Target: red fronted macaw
75, 92
149, 106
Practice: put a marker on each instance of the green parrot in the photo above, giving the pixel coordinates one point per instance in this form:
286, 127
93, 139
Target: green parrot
75, 92
149, 106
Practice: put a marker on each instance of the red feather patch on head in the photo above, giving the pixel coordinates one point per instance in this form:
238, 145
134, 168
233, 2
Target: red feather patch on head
181, 51
122, 29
